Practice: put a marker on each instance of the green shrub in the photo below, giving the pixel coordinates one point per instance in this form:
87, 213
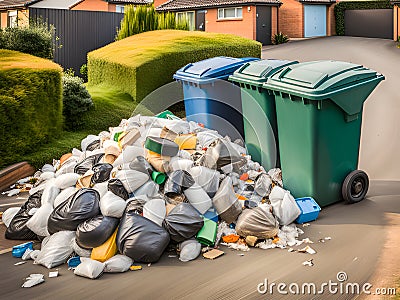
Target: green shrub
138, 19
342, 6
76, 101
36, 39
142, 63
83, 72
30, 103
280, 38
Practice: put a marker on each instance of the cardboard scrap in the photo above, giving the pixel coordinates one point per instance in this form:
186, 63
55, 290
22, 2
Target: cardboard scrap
214, 253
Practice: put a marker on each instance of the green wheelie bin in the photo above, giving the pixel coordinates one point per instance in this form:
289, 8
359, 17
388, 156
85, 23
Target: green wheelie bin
319, 109
258, 108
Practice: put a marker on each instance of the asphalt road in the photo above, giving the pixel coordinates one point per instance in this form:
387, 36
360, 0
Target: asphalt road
357, 232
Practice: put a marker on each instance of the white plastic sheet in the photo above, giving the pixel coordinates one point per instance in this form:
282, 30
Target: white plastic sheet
112, 205
49, 194
38, 222
89, 268
66, 180
118, 264
64, 195
9, 214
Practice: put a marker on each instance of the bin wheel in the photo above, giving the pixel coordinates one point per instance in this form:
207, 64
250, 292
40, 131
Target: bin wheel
355, 186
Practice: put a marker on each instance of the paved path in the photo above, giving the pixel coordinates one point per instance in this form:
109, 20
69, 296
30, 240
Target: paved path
381, 123
357, 231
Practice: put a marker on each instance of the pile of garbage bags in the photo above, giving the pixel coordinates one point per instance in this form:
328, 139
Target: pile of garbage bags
147, 185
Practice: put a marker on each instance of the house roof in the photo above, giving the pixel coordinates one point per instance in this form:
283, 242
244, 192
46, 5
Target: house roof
5, 4
56, 4
395, 2
318, 1
173, 5
130, 1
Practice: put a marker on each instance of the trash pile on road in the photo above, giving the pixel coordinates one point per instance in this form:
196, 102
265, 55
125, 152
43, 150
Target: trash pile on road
148, 185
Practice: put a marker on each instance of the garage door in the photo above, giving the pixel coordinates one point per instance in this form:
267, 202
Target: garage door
373, 23
314, 20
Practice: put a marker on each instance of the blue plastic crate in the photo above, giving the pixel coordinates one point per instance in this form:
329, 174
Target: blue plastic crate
19, 250
309, 210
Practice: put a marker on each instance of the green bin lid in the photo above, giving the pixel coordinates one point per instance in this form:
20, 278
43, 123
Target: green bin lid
257, 72
347, 84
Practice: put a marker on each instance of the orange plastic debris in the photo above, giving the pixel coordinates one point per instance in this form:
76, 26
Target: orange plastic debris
241, 197
232, 238
244, 176
275, 240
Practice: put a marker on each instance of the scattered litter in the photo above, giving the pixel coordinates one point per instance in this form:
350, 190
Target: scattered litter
237, 246
135, 268
307, 249
291, 250
20, 263
172, 256
212, 254
328, 238
306, 224
321, 240
251, 240
307, 241
149, 265
309, 263
53, 274
12, 192
32, 280
240, 254
355, 258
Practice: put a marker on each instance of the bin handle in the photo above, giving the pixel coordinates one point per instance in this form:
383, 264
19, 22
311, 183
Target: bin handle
284, 71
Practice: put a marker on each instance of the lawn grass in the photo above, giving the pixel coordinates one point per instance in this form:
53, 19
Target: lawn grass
110, 106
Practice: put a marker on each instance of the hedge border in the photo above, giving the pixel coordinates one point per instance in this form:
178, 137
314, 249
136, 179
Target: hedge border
341, 7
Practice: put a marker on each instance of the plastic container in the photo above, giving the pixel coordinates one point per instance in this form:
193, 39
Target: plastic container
209, 98
258, 106
309, 210
19, 250
319, 110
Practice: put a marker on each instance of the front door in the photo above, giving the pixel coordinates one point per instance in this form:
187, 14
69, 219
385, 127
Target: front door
314, 20
201, 20
263, 24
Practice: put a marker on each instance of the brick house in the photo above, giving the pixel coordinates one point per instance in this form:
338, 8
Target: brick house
296, 18
253, 19
396, 19
13, 13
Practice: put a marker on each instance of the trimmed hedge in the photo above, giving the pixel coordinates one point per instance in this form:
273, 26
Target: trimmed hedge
144, 62
342, 6
30, 103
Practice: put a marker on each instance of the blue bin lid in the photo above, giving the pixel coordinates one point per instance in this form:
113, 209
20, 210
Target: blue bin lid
213, 68
257, 72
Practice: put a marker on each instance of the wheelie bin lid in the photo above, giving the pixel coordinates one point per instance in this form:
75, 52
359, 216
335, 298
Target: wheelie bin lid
206, 71
257, 72
346, 84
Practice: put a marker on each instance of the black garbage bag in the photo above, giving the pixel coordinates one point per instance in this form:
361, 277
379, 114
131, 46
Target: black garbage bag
117, 187
177, 182
17, 229
135, 206
141, 239
81, 206
93, 145
183, 222
142, 165
88, 163
102, 172
96, 231
221, 154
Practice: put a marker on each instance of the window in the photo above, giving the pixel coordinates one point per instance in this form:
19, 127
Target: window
189, 15
230, 13
12, 20
119, 8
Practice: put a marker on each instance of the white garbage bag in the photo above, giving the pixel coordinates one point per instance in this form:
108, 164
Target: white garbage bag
155, 211
112, 205
118, 264
66, 180
38, 222
205, 138
89, 268
178, 163
207, 178
88, 140
49, 195
68, 166
277, 194
285, 209
42, 186
128, 155
64, 195
47, 175
9, 214
190, 250
198, 198
80, 251
132, 179
102, 188
57, 249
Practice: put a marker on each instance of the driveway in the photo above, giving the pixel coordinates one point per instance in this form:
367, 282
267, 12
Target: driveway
380, 143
